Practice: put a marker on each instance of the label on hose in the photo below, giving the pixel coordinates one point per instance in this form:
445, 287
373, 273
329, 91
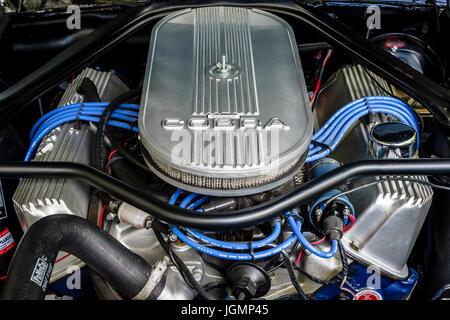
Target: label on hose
41, 273
6, 241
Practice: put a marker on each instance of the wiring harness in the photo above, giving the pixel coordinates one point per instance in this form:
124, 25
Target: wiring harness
90, 111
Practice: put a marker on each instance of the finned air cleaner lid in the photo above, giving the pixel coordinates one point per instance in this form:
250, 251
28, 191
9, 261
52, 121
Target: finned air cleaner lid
224, 109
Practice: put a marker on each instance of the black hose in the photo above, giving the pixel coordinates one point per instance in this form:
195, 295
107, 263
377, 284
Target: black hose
101, 127
32, 264
234, 219
101, 287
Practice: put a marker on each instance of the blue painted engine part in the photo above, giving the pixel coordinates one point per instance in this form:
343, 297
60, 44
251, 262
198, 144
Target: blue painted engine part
365, 284
75, 286
320, 168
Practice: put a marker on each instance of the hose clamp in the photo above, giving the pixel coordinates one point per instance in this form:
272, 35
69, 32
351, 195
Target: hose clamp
155, 277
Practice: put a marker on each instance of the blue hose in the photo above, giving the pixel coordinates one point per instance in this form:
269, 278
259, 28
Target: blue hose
234, 256
43, 132
296, 228
188, 199
312, 156
330, 134
228, 245
197, 203
365, 102
222, 244
337, 125
350, 115
77, 106
335, 128
65, 114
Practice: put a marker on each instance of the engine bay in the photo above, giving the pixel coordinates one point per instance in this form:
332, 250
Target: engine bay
231, 151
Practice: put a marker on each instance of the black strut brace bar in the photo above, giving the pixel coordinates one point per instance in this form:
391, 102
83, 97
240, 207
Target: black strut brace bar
233, 219
84, 52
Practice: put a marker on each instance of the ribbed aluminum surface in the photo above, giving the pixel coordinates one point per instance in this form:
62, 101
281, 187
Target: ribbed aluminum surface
390, 217
223, 31
225, 108
390, 214
38, 198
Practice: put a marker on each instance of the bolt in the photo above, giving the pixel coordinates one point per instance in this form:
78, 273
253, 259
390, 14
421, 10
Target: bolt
355, 245
197, 273
222, 66
318, 213
173, 237
346, 212
113, 205
148, 223
110, 216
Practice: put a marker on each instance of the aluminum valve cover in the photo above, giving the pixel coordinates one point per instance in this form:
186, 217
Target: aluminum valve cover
224, 107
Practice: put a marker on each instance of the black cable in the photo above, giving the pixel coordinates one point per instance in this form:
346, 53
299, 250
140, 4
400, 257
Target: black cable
123, 151
214, 285
292, 276
212, 264
272, 269
171, 255
102, 124
344, 261
113, 159
326, 86
314, 46
182, 268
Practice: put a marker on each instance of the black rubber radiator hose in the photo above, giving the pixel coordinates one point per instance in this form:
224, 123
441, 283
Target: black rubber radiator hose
32, 264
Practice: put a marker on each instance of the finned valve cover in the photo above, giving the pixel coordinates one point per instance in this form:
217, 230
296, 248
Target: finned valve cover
224, 108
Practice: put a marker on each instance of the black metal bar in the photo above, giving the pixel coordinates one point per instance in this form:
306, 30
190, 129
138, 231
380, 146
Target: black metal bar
230, 220
426, 91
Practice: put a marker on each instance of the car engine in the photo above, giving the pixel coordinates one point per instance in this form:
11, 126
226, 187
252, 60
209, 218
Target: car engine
226, 156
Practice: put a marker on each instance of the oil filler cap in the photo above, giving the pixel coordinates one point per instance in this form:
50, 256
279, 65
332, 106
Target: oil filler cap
393, 140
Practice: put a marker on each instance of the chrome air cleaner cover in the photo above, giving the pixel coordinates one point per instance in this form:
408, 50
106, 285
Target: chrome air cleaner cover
224, 109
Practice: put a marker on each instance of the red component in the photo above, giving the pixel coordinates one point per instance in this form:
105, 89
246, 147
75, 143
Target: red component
101, 216
6, 241
61, 259
394, 42
368, 295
